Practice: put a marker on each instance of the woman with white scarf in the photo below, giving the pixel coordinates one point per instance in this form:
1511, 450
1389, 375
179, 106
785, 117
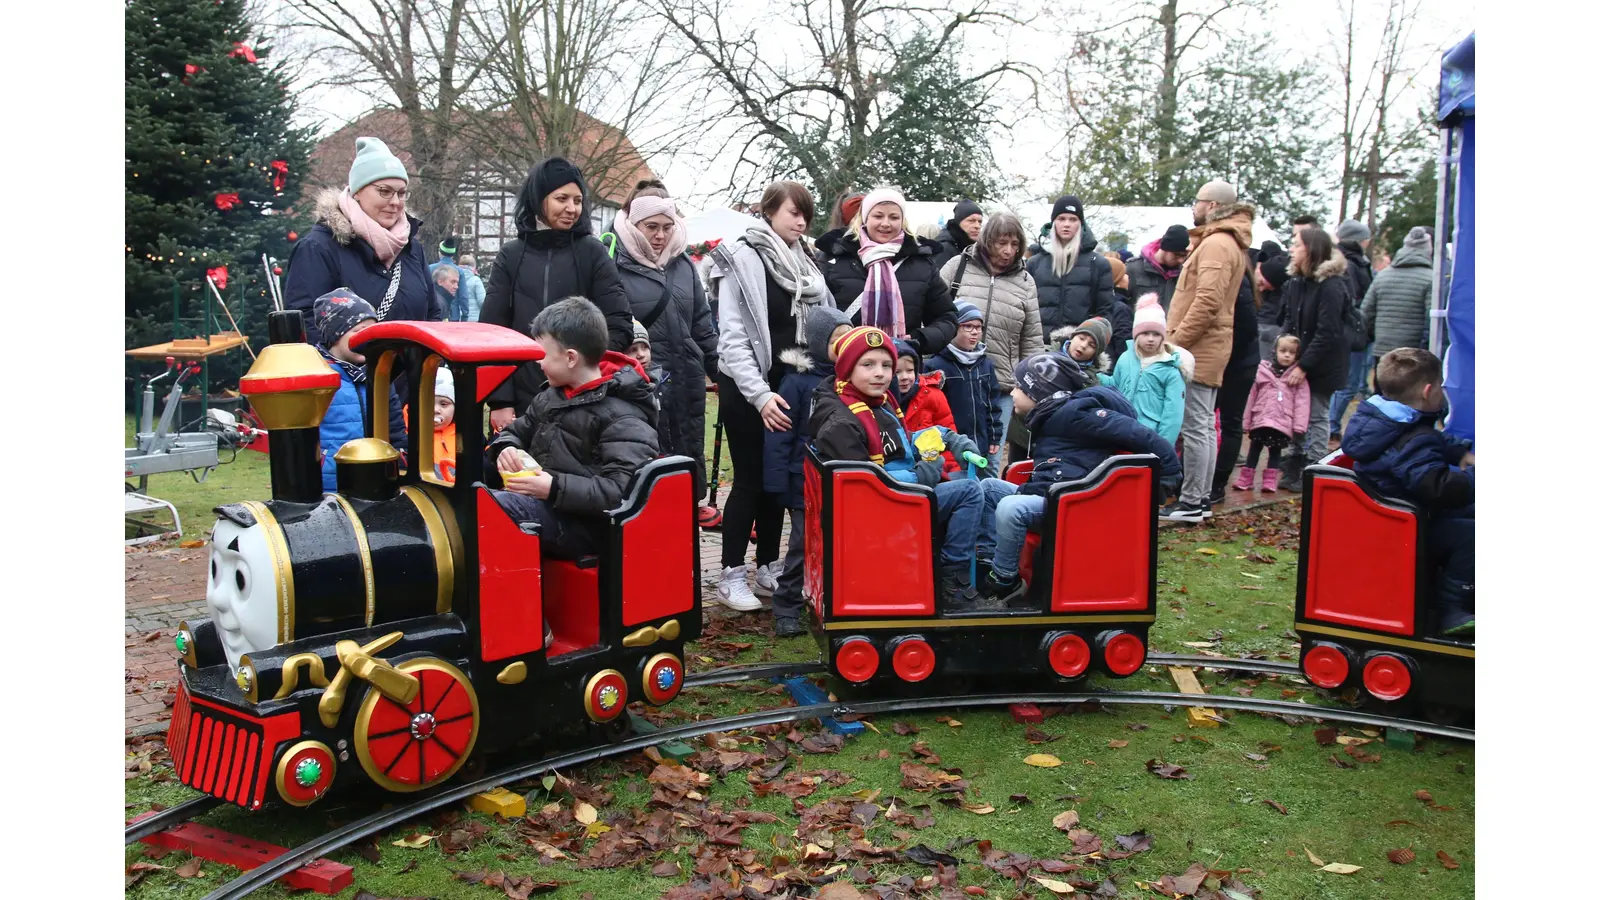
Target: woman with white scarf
666, 297
364, 241
765, 285
883, 276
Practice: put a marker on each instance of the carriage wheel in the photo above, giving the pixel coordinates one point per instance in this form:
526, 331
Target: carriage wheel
407, 747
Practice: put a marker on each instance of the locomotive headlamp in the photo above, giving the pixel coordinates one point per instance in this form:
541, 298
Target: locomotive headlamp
245, 678
184, 644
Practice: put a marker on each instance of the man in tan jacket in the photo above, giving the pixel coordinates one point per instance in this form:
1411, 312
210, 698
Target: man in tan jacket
1200, 320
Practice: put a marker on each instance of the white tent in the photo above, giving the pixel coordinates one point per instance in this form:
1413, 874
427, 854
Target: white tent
1142, 224
717, 222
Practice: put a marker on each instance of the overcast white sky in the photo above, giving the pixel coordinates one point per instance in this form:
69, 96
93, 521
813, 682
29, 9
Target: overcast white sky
1034, 151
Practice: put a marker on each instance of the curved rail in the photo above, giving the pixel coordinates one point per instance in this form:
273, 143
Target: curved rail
349, 833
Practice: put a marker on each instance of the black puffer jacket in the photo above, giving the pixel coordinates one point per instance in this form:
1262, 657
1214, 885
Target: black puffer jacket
1084, 293
930, 310
952, 243
591, 443
1358, 271
683, 341
542, 266
1313, 311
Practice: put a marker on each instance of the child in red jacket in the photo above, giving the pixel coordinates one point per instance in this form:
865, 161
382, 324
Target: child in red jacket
922, 400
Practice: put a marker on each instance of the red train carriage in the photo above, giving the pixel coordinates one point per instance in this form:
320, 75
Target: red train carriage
1361, 605
390, 631
864, 530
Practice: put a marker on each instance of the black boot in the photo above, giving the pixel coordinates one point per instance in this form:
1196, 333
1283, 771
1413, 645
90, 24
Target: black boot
955, 592
1294, 468
999, 593
1456, 617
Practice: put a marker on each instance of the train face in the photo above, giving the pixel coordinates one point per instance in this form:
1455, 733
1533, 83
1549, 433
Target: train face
385, 634
901, 638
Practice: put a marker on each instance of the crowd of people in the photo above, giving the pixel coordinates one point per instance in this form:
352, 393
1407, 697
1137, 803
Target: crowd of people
928, 356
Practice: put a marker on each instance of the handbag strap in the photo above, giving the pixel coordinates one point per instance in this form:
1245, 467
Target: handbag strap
394, 288
655, 312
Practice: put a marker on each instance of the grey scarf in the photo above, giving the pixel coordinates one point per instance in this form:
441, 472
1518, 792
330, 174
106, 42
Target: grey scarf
968, 357
791, 267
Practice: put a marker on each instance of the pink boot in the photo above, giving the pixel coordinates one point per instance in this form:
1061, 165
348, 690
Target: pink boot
1246, 479
1269, 481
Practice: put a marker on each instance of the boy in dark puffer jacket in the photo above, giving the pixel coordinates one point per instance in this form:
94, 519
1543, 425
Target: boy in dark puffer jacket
783, 469
1076, 427
589, 429
337, 317
1396, 447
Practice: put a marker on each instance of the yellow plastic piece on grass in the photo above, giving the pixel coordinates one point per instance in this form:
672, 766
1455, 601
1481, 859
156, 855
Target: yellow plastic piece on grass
500, 802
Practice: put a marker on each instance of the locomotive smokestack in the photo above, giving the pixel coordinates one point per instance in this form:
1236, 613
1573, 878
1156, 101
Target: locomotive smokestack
290, 388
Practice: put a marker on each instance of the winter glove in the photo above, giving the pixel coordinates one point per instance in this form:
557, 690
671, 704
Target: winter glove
930, 472
958, 443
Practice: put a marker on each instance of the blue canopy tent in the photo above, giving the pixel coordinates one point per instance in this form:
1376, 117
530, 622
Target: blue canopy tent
1451, 328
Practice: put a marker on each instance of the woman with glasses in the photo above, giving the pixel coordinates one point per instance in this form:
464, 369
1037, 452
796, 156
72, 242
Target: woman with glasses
555, 256
364, 241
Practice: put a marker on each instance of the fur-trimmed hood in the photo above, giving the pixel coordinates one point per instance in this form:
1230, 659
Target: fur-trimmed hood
1333, 267
798, 358
327, 212
1234, 219
1059, 338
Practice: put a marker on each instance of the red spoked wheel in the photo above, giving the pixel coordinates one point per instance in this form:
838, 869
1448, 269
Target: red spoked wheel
1326, 666
305, 771
407, 747
661, 679
1123, 652
856, 659
1386, 677
1068, 653
606, 695
913, 659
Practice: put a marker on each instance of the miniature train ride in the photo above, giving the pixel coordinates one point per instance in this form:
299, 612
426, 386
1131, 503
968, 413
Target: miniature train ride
386, 634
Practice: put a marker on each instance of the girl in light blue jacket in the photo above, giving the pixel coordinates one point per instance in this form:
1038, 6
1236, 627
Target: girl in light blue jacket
1153, 374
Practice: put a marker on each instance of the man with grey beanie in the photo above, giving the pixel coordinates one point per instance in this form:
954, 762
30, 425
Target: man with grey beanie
1354, 238
1395, 310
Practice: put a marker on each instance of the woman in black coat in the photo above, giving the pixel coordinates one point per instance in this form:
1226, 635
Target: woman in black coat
554, 256
926, 315
1314, 304
666, 297
1074, 284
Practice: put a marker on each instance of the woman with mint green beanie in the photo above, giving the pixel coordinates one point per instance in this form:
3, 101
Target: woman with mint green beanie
364, 241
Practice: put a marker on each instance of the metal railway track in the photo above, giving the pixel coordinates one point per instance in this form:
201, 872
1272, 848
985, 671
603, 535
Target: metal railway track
382, 820
190, 809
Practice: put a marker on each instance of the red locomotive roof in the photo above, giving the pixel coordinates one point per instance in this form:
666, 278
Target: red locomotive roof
463, 342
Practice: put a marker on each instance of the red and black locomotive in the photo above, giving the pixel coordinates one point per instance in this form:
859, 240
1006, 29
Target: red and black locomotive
390, 631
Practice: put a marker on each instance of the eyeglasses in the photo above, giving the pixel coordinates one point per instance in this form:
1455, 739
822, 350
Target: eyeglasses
975, 325
388, 193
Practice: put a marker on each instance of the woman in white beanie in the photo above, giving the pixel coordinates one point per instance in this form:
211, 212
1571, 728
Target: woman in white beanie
364, 241
881, 275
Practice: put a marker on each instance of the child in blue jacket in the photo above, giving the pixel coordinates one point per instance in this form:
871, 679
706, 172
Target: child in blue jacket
970, 383
783, 468
1397, 447
340, 315
1075, 428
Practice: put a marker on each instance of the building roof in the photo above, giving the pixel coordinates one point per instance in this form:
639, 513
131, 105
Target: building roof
331, 158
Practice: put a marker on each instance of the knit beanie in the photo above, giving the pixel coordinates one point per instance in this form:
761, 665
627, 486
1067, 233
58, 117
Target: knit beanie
821, 322
882, 195
850, 208
967, 312
338, 311
1417, 239
903, 348
1119, 271
1276, 270
964, 209
1149, 316
1098, 330
854, 344
374, 162
449, 246
641, 335
1176, 239
1066, 203
444, 385
1351, 230
1269, 249
1044, 375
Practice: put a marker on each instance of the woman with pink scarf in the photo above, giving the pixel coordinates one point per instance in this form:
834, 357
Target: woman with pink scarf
666, 297
364, 241
883, 276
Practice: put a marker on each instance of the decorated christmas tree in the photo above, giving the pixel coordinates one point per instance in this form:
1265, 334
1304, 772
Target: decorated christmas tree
213, 165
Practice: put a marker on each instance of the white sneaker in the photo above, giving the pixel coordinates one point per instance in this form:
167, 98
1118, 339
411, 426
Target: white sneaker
734, 591
767, 578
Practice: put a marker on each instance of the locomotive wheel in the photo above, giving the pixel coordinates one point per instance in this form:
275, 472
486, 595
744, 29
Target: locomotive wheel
407, 747
613, 732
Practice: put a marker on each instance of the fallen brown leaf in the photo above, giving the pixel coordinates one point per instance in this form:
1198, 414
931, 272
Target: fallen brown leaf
1401, 855
1446, 861
189, 869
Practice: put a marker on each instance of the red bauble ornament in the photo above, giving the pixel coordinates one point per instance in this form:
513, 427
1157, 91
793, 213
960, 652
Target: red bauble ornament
293, 236
277, 270
220, 276
226, 202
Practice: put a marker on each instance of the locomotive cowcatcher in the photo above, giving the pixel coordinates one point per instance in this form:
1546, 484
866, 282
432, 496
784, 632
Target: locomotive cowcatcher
878, 620
393, 630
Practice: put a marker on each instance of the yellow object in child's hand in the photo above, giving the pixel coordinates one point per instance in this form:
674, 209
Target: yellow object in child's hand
530, 466
929, 443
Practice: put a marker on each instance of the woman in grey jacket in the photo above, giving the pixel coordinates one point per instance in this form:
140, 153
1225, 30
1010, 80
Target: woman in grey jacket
764, 286
990, 275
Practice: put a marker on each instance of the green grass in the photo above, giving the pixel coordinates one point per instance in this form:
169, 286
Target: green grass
1219, 817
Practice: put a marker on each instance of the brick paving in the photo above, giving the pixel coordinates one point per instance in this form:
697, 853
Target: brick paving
165, 585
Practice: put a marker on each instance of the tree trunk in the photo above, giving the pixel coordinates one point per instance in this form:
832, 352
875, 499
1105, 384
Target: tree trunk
1167, 100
